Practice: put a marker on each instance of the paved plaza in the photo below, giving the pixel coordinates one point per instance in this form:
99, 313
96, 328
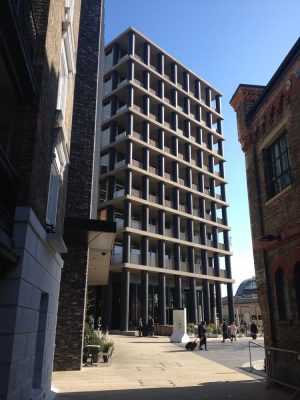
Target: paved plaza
147, 368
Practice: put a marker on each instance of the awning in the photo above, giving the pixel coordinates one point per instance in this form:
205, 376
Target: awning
98, 236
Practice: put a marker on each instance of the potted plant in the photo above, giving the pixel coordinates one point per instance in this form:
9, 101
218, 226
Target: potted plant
107, 348
91, 339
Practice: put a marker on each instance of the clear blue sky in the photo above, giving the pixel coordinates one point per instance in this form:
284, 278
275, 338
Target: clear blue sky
226, 42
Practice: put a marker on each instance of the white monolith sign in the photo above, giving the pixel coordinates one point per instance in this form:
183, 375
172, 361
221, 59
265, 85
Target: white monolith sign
179, 334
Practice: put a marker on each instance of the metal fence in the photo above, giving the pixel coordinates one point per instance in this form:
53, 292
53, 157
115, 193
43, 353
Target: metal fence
255, 345
283, 366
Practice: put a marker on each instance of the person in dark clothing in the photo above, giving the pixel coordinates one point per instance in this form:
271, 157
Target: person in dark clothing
254, 330
225, 330
202, 334
140, 326
150, 326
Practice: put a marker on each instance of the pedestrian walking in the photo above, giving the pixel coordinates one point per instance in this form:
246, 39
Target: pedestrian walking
202, 334
150, 326
233, 331
253, 330
140, 326
225, 330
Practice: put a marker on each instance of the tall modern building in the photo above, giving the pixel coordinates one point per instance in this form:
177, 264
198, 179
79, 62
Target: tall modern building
162, 181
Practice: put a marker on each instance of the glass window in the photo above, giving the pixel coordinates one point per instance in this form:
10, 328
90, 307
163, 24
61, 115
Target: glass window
107, 85
106, 109
283, 305
279, 167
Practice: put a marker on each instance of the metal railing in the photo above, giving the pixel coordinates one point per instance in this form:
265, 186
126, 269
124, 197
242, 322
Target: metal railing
283, 366
255, 344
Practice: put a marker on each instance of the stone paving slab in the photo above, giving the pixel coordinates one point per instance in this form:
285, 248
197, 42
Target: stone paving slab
145, 368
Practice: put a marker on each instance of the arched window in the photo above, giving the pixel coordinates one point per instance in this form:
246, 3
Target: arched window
297, 286
282, 294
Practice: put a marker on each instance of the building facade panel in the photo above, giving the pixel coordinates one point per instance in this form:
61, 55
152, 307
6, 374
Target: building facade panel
162, 179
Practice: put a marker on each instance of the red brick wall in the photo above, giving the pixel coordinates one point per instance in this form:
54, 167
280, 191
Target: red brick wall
280, 215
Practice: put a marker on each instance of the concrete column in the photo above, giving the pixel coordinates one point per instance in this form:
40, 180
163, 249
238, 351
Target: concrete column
199, 158
146, 105
146, 79
174, 97
198, 89
125, 284
220, 126
161, 165
191, 259
208, 96
174, 121
218, 104
161, 219
161, 247
130, 70
177, 292
192, 301
218, 288
230, 302
186, 81
175, 198
161, 63
146, 53
187, 105
107, 302
129, 123
144, 249
188, 152
146, 131
145, 155
126, 247
198, 113
128, 152
110, 187
199, 136
176, 227
161, 138
161, 89
161, 193
212, 303
203, 233
187, 128
161, 113
175, 146
131, 43
113, 131
128, 181
220, 147
127, 213
175, 171
174, 73
116, 53
145, 187
144, 295
188, 175
145, 217
162, 299
209, 119
206, 304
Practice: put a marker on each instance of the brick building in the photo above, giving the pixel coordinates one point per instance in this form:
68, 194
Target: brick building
38, 46
268, 119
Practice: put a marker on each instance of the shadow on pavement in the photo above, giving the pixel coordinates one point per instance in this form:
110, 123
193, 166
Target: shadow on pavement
242, 390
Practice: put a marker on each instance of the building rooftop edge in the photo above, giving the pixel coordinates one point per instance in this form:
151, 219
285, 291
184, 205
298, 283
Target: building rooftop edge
272, 82
133, 29
245, 85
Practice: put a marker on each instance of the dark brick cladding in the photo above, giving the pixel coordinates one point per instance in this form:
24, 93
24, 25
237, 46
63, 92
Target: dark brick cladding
278, 111
33, 136
73, 280
85, 102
